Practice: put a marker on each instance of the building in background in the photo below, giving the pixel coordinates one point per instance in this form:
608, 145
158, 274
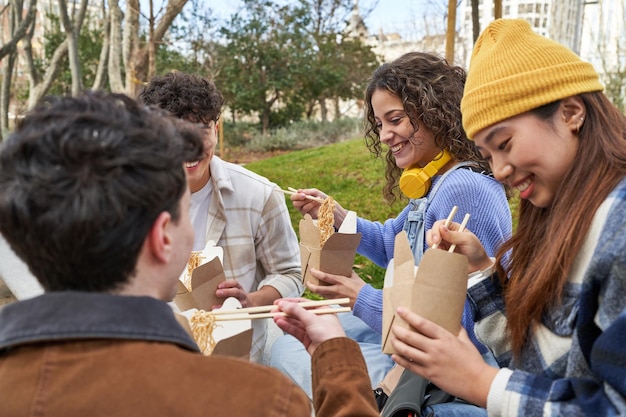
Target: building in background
594, 29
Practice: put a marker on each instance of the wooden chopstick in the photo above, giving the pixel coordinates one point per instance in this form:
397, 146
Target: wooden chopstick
463, 224
231, 317
263, 309
292, 191
448, 221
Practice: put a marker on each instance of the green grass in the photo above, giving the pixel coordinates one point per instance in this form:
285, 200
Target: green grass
348, 172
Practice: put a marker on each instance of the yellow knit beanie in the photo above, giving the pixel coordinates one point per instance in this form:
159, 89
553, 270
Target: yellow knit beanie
514, 70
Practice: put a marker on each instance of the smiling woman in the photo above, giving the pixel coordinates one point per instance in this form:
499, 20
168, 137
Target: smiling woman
412, 114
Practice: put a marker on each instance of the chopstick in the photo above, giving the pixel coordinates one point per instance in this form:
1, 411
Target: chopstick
448, 221
231, 317
262, 309
463, 224
292, 191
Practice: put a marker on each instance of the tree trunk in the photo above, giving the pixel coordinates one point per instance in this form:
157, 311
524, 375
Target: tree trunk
71, 36
475, 21
130, 44
19, 28
337, 109
39, 85
151, 46
323, 109
100, 81
173, 9
265, 121
115, 48
5, 92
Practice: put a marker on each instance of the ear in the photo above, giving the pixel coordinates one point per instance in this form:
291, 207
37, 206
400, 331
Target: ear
573, 112
159, 240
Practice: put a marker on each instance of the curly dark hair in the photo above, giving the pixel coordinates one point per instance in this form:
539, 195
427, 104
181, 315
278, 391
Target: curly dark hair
431, 91
186, 96
82, 180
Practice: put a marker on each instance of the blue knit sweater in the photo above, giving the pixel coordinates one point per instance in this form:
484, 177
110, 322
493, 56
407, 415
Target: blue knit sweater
474, 193
574, 363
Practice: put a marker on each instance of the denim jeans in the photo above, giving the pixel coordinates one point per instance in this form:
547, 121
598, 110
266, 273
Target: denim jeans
289, 356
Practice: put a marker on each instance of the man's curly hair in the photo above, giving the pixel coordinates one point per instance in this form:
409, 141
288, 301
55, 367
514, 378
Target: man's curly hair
431, 92
186, 96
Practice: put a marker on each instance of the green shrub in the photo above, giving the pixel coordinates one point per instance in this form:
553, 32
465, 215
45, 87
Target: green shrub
297, 136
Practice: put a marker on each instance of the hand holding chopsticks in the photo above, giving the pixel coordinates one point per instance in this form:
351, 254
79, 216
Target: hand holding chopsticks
449, 221
463, 224
263, 312
291, 191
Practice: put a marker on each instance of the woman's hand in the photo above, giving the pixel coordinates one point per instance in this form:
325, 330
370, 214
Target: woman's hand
466, 243
310, 329
337, 286
311, 207
450, 361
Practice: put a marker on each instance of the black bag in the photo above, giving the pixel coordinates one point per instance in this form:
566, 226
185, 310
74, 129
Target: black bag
410, 396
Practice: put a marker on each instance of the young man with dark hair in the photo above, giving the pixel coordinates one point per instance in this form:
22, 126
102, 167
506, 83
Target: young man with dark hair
235, 208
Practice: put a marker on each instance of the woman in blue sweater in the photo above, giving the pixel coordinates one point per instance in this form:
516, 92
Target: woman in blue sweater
554, 313
412, 109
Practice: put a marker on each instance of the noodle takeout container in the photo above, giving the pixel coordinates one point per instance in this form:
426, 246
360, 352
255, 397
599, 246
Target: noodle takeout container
336, 256
436, 290
233, 338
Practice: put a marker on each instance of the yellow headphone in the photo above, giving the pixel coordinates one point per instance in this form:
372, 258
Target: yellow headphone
415, 181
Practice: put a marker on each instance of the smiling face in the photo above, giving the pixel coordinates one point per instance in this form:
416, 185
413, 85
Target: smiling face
198, 173
409, 148
530, 154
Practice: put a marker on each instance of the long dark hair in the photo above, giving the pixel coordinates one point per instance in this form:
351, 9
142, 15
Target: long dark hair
548, 239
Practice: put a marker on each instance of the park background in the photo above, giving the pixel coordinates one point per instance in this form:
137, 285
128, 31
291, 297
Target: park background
292, 71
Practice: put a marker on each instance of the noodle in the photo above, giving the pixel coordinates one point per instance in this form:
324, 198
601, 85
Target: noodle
202, 324
195, 259
326, 219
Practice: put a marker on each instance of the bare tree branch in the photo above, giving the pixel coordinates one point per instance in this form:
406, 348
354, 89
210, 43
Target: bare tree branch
22, 29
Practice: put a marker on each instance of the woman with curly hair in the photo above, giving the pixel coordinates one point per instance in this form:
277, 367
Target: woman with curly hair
413, 111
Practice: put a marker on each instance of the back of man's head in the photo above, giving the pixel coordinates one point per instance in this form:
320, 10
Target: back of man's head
82, 179
186, 96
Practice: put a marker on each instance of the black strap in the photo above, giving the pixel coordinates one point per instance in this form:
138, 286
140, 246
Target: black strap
410, 396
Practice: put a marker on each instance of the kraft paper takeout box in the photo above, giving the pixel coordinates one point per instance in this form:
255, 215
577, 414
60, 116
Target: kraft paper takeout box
436, 290
336, 256
204, 281
234, 338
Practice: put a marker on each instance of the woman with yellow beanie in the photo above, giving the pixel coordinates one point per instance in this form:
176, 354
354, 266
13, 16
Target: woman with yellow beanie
554, 313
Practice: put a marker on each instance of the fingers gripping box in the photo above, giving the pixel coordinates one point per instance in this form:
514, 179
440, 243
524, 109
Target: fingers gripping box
336, 256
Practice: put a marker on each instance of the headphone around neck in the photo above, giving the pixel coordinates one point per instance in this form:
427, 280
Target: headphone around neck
415, 181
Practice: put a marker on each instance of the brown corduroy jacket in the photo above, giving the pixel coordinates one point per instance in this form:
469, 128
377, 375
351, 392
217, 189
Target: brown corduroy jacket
83, 354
